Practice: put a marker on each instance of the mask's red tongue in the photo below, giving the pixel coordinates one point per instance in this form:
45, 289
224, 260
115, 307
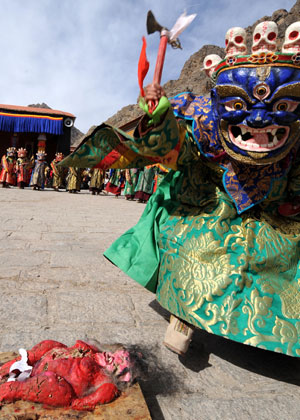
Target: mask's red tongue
259, 138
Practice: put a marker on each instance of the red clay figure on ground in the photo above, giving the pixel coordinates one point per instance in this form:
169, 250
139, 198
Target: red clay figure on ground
76, 377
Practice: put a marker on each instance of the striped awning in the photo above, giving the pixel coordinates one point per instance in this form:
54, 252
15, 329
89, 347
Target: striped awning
30, 123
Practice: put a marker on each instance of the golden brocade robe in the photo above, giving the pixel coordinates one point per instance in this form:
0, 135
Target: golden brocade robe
229, 270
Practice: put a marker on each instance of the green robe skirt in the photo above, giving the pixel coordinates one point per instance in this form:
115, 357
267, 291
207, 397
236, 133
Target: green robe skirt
233, 275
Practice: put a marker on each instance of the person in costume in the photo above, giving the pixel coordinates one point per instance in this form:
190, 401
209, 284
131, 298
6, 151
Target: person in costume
116, 182
8, 171
216, 242
22, 168
85, 179
39, 172
96, 180
131, 176
145, 184
74, 180
58, 172
31, 166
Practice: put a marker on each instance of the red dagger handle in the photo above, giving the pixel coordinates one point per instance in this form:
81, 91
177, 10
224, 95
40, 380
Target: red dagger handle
160, 59
159, 66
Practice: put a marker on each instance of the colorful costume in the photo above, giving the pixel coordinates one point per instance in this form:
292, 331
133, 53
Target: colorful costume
116, 182
131, 176
23, 168
8, 172
85, 179
214, 242
39, 172
58, 172
74, 180
145, 184
97, 180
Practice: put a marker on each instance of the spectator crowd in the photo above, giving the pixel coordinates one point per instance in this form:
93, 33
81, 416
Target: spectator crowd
18, 170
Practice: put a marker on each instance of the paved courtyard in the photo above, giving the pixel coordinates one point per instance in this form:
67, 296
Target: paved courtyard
55, 284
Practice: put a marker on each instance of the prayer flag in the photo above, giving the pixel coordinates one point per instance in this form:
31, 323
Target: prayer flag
143, 66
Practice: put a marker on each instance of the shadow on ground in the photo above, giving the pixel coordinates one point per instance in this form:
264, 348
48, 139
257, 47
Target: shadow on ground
262, 362
156, 377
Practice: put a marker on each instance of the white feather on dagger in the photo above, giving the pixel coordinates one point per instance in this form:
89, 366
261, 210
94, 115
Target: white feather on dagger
181, 24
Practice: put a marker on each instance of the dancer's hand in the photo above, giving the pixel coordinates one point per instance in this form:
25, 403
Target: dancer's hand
153, 93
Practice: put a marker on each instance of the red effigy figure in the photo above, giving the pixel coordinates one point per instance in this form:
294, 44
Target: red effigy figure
77, 377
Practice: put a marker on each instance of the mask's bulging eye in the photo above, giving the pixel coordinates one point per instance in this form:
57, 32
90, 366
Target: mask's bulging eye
235, 105
238, 106
285, 105
261, 91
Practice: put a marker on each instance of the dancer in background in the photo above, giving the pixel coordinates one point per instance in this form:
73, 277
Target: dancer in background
8, 172
22, 168
74, 180
131, 176
96, 180
39, 173
116, 182
145, 184
58, 172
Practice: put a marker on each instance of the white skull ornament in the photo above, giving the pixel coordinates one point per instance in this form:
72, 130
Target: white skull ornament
210, 63
292, 39
264, 37
235, 42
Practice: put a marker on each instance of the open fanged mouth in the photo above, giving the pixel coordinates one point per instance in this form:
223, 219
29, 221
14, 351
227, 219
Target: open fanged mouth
258, 139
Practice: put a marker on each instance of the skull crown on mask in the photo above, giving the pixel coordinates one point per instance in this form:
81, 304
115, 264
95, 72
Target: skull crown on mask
256, 101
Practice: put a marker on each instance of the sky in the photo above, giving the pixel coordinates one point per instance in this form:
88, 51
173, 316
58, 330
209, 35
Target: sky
81, 56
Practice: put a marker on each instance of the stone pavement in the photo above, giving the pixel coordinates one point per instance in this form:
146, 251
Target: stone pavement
56, 284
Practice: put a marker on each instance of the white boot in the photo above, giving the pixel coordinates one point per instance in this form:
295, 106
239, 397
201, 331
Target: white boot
178, 335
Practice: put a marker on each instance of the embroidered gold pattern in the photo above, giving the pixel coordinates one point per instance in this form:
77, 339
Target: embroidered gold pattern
263, 58
200, 281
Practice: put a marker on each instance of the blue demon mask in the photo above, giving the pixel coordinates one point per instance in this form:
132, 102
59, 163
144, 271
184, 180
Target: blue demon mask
258, 112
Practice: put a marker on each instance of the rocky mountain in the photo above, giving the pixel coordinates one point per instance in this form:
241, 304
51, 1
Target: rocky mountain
42, 105
191, 79
76, 136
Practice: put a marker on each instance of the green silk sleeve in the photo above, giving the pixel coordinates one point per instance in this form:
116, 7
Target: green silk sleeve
109, 147
136, 252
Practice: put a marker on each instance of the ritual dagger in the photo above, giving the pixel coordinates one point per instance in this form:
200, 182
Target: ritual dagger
166, 37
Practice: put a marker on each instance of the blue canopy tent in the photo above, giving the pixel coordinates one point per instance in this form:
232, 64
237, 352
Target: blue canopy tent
20, 127
30, 123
